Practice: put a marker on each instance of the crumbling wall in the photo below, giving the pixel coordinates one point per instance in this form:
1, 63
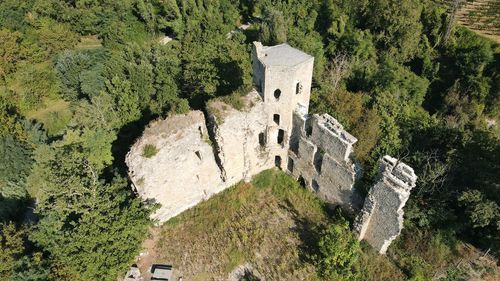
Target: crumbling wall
241, 136
182, 172
320, 158
381, 219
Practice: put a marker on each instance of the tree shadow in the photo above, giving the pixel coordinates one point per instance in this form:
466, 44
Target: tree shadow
127, 135
12, 209
308, 232
231, 76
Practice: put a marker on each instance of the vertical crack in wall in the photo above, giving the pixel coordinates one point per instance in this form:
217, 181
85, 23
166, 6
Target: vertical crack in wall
213, 135
246, 158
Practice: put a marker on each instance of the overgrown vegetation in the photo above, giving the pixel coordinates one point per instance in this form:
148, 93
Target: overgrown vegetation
286, 233
79, 80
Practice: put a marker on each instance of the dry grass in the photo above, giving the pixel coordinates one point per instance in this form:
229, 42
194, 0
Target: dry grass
264, 223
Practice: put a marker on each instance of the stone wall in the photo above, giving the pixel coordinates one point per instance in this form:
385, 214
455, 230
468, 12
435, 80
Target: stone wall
381, 219
241, 138
320, 158
183, 172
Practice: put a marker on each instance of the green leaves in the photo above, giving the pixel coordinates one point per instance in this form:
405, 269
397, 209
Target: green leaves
338, 252
91, 226
480, 211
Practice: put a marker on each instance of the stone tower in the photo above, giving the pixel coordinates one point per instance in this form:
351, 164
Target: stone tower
282, 75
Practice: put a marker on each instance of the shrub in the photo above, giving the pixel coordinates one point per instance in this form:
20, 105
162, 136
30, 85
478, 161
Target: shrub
338, 253
149, 151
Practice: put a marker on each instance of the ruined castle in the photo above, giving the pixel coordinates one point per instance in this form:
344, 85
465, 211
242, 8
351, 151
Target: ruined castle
202, 153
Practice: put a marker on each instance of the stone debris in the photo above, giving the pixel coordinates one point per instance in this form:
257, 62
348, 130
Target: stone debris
199, 154
133, 274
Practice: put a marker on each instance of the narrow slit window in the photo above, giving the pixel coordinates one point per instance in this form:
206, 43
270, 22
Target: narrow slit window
281, 136
290, 165
298, 88
276, 119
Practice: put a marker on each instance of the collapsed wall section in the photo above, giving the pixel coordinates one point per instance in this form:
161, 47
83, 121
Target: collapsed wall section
381, 219
319, 157
183, 171
242, 137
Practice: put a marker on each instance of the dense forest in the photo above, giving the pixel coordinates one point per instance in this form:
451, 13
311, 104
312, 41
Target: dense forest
80, 79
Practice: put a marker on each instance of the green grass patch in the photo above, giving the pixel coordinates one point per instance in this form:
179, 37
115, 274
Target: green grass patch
55, 116
89, 42
149, 150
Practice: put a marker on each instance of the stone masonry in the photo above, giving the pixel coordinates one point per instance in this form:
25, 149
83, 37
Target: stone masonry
200, 154
381, 219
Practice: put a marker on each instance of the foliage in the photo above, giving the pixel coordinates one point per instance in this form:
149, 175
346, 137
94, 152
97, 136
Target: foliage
273, 30
149, 151
75, 221
338, 252
11, 246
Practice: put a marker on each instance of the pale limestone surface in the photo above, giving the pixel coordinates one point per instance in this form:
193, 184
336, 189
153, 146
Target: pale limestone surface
197, 157
237, 135
183, 172
381, 219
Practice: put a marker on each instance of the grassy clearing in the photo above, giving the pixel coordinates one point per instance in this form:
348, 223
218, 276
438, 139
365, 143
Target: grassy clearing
265, 223
89, 42
54, 116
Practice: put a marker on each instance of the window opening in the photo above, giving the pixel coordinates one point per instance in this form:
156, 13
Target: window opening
290, 165
262, 139
277, 94
318, 159
276, 119
281, 136
277, 161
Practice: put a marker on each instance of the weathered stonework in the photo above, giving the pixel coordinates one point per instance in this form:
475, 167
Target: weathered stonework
202, 154
381, 219
237, 136
183, 172
320, 158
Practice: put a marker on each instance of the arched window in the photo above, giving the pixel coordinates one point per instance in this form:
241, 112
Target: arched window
277, 94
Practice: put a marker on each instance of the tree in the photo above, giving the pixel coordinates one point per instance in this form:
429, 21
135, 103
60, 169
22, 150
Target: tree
11, 249
396, 26
78, 211
338, 252
9, 51
480, 211
273, 27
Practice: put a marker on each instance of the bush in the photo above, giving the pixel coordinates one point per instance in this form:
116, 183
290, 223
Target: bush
149, 151
338, 253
